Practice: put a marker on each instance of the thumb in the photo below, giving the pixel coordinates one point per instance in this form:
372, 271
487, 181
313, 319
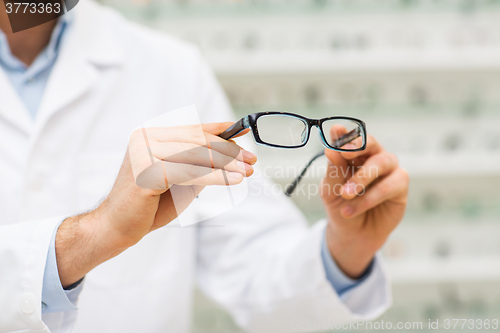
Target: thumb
218, 128
336, 175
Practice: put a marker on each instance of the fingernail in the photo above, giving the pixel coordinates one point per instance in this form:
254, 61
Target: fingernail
243, 166
350, 188
347, 211
235, 175
350, 146
248, 155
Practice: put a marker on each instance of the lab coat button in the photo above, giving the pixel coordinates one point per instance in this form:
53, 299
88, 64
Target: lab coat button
27, 303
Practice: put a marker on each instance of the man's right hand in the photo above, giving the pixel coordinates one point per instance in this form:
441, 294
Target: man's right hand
159, 161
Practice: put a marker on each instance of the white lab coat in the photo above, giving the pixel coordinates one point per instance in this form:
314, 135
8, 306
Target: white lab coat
261, 263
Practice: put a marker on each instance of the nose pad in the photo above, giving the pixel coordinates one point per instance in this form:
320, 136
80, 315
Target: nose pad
303, 135
321, 137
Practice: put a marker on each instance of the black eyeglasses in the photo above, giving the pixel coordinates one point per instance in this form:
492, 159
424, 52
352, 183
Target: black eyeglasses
288, 130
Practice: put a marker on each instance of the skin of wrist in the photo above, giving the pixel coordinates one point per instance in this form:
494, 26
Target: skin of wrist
351, 253
84, 242
101, 226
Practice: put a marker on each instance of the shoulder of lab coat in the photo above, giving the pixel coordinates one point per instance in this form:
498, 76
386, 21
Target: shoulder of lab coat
23, 253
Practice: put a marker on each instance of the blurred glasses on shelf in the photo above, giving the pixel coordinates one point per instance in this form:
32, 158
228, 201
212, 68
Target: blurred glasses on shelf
288, 130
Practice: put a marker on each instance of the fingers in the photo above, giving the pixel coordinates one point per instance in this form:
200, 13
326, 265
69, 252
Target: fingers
187, 174
338, 169
392, 187
242, 133
336, 131
229, 148
372, 147
140, 152
360, 168
194, 134
188, 153
216, 128
163, 175
188, 134
340, 137
376, 166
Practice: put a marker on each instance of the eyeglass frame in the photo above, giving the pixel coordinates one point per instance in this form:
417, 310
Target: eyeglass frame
250, 121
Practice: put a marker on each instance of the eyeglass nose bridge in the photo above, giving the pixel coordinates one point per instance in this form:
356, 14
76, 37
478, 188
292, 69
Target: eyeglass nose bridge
306, 133
314, 123
317, 124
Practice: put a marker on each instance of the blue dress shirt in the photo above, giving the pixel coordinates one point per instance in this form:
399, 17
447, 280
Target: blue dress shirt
29, 83
339, 281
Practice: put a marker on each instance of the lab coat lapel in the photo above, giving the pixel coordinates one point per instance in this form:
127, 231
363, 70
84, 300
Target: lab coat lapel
72, 76
86, 49
12, 108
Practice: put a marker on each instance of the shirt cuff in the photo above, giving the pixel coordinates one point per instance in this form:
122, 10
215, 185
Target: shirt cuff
54, 297
339, 281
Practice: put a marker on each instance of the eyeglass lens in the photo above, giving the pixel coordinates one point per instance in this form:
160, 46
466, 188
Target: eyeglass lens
289, 131
282, 130
343, 133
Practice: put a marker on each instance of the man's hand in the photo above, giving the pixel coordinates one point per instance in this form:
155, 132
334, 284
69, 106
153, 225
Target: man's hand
159, 161
365, 195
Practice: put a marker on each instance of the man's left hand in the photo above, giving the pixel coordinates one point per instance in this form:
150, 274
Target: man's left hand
365, 195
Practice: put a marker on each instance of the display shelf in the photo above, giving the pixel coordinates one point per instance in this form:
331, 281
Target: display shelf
383, 61
197, 8
457, 249
290, 45
454, 270
466, 165
407, 96
331, 41
446, 165
376, 114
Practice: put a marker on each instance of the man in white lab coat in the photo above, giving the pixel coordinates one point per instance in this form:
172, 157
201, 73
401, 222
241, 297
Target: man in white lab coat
71, 92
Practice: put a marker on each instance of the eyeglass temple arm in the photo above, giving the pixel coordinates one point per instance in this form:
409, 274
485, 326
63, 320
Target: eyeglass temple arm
346, 138
234, 130
290, 188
